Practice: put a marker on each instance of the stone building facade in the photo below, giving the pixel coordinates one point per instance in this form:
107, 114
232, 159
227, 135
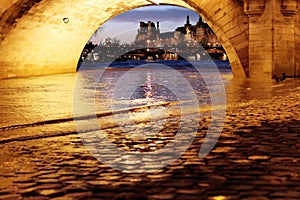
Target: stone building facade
149, 35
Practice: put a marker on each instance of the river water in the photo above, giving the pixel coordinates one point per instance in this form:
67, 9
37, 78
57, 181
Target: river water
45, 104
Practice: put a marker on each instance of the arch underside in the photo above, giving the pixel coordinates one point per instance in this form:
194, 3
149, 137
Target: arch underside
34, 40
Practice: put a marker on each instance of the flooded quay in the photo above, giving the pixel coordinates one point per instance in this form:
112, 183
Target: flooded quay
44, 157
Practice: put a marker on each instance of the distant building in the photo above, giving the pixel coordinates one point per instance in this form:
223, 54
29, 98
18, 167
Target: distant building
149, 35
147, 32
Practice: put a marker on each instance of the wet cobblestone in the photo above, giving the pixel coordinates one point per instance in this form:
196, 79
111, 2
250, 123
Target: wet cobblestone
256, 157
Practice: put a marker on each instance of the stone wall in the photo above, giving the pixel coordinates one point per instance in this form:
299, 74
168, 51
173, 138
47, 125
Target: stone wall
230, 24
297, 45
272, 37
5, 5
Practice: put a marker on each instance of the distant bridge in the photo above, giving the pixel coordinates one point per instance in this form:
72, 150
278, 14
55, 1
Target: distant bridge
261, 37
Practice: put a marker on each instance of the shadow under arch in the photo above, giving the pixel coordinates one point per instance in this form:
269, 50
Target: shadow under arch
49, 46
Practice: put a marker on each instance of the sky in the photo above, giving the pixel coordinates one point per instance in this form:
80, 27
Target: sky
124, 26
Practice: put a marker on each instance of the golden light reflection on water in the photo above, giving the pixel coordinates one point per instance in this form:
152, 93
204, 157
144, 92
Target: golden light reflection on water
36, 98
254, 89
219, 198
51, 97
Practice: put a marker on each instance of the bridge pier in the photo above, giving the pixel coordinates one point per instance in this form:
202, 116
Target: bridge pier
273, 38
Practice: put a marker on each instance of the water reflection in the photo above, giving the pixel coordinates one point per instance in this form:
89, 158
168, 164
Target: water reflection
255, 89
151, 92
43, 98
27, 100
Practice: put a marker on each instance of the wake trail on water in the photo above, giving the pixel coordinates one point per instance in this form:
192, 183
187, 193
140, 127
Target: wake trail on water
139, 115
84, 117
64, 132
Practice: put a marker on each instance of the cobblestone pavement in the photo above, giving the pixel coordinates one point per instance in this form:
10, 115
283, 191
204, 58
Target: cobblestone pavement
256, 157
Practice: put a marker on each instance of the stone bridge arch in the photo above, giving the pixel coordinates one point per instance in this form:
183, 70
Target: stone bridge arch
34, 40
